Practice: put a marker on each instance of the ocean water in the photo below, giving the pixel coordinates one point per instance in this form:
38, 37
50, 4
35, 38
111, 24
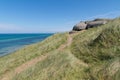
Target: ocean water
12, 42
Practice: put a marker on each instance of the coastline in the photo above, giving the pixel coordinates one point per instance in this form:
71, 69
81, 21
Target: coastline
11, 45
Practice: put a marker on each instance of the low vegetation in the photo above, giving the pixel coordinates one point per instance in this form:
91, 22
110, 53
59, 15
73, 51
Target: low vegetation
58, 66
9, 62
94, 54
100, 49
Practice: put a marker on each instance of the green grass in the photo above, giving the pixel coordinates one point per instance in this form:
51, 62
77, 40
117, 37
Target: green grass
97, 47
9, 62
93, 55
58, 66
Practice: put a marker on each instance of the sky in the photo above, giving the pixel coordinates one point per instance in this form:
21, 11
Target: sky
48, 16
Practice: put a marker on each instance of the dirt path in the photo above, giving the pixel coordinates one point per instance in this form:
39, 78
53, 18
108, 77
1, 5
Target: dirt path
23, 67
69, 41
32, 62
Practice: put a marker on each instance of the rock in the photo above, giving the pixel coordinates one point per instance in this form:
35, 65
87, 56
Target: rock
80, 26
72, 32
90, 24
101, 19
95, 24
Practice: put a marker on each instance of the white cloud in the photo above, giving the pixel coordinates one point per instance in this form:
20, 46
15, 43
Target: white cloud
9, 28
112, 14
66, 26
69, 25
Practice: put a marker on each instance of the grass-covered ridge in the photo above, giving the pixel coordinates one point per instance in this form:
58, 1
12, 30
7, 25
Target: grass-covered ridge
94, 54
9, 62
58, 66
100, 49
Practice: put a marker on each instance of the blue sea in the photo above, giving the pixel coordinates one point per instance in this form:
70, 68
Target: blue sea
12, 42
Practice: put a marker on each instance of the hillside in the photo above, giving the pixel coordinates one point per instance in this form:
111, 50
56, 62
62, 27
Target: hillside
92, 54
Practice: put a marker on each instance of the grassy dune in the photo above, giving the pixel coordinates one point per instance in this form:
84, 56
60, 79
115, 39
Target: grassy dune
58, 66
93, 55
9, 62
100, 49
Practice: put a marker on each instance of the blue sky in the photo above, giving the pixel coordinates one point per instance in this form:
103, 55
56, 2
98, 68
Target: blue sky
37, 16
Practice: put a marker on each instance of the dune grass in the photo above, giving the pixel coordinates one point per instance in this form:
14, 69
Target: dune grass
58, 66
9, 62
99, 48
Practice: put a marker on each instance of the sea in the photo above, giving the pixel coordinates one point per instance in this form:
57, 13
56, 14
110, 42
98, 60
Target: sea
12, 42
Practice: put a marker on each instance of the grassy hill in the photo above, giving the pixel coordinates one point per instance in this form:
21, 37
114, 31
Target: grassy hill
93, 54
